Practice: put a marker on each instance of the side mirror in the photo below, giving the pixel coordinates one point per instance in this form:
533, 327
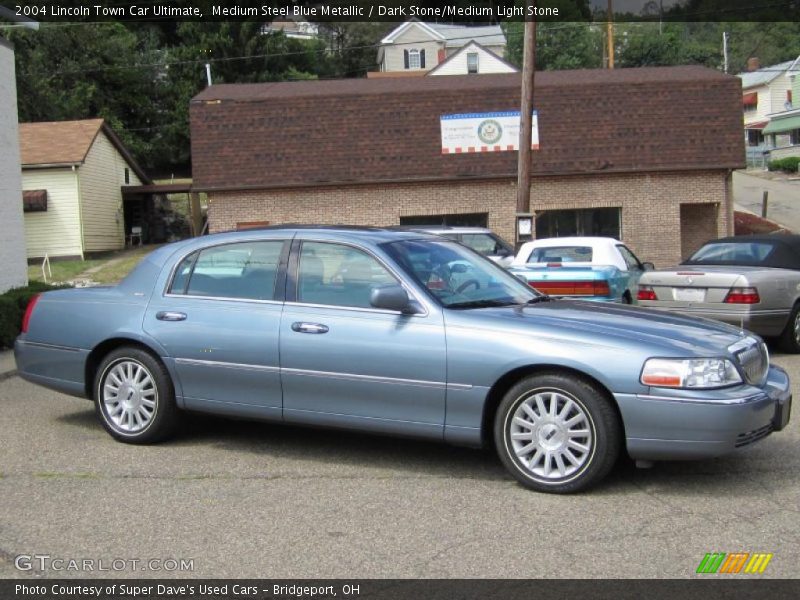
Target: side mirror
648, 266
391, 297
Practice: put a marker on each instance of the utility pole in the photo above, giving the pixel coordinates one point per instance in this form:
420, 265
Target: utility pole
724, 51
610, 34
208, 73
525, 115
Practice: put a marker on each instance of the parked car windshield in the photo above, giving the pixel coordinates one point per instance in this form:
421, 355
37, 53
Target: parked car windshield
732, 253
457, 277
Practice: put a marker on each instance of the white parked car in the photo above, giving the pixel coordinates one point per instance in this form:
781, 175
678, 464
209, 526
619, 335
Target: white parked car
589, 268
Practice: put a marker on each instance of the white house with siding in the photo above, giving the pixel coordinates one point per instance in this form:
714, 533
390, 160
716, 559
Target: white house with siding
13, 266
765, 91
472, 59
415, 46
73, 173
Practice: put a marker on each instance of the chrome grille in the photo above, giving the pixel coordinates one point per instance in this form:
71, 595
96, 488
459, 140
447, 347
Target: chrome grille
754, 361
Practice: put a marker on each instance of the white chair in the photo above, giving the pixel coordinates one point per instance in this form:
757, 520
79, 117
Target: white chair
136, 234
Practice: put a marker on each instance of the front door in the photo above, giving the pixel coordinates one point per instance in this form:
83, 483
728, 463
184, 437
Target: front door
346, 363
219, 321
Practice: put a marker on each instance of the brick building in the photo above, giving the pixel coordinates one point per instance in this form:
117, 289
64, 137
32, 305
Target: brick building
642, 154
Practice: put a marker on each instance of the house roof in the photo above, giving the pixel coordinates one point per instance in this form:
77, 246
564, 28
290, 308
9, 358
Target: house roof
308, 133
765, 75
472, 44
66, 143
458, 35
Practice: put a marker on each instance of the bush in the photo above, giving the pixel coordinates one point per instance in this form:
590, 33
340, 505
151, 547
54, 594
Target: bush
788, 164
12, 308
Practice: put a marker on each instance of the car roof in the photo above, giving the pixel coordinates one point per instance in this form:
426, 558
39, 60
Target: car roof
792, 240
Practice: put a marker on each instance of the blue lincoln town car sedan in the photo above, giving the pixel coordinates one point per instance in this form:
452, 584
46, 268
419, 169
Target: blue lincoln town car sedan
400, 333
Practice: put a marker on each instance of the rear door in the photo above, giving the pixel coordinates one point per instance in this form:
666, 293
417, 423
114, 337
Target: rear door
346, 363
219, 318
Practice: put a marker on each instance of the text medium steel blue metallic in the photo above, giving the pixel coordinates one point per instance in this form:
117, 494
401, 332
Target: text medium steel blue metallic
401, 333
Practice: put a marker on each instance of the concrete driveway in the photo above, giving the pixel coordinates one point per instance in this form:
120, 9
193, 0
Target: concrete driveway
256, 500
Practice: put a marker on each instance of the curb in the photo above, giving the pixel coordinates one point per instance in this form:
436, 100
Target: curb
8, 375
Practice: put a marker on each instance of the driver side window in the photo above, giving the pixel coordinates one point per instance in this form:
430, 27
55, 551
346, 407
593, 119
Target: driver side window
338, 275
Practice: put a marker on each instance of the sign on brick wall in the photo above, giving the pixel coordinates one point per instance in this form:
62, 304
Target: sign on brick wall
485, 132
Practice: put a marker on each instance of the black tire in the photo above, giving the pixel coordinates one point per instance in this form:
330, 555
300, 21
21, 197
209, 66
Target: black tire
626, 298
594, 413
131, 425
788, 340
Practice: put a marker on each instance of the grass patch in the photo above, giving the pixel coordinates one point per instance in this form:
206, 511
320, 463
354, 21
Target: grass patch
116, 271
63, 270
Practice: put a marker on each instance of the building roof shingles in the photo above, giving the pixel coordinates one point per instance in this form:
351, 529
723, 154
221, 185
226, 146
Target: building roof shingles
378, 130
57, 142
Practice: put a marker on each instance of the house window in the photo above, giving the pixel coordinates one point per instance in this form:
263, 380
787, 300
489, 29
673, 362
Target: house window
127, 176
414, 59
794, 137
472, 62
754, 137
603, 222
452, 220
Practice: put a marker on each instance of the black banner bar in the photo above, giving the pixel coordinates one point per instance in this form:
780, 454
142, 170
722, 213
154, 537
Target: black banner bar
446, 11
734, 588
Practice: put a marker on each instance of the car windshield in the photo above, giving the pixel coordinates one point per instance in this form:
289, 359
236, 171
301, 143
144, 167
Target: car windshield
732, 253
457, 277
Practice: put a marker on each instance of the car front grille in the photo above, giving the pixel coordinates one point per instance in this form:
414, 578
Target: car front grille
754, 361
743, 439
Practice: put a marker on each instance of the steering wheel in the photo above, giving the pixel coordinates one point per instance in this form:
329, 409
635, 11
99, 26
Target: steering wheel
468, 283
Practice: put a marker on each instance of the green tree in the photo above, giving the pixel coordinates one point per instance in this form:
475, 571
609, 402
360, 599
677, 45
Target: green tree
88, 70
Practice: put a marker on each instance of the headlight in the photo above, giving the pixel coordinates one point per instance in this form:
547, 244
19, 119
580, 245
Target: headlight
694, 373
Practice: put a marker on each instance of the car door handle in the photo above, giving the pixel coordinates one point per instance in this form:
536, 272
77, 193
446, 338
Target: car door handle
166, 315
309, 327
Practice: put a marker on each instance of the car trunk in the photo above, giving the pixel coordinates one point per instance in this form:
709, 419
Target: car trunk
696, 285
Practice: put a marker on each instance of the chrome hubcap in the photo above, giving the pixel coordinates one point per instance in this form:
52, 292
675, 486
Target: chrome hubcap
129, 396
551, 434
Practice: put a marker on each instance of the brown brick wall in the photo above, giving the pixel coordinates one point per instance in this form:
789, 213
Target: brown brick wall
651, 205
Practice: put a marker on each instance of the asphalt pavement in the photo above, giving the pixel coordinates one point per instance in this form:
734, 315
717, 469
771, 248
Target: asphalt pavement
783, 204
260, 500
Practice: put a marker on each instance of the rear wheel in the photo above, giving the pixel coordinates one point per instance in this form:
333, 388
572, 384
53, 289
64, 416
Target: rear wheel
557, 433
134, 397
789, 341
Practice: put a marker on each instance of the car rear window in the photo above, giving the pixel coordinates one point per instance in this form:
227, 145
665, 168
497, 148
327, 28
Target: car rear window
732, 253
561, 254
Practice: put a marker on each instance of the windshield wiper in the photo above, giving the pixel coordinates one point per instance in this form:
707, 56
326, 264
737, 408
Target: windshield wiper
480, 304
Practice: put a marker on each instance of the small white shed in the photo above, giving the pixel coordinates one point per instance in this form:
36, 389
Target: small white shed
73, 173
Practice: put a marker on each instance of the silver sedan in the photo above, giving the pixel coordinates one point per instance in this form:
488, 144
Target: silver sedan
748, 281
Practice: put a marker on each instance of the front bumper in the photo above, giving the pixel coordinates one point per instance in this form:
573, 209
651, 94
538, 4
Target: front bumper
672, 426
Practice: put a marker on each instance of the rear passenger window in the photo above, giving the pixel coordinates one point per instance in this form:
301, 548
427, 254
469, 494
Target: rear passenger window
338, 275
247, 271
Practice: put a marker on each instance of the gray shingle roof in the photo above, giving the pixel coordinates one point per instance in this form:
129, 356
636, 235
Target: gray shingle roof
765, 75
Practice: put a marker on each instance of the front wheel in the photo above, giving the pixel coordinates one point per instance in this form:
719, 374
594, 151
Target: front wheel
789, 341
557, 433
134, 397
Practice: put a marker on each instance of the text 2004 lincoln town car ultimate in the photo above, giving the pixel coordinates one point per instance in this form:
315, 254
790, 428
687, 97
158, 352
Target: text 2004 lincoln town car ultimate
400, 333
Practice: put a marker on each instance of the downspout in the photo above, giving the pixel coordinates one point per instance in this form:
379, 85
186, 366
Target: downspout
80, 207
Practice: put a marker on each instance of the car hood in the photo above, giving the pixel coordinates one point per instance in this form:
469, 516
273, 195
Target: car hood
614, 324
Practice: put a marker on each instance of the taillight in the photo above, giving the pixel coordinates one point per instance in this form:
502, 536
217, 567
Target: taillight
28, 312
572, 288
646, 293
742, 295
